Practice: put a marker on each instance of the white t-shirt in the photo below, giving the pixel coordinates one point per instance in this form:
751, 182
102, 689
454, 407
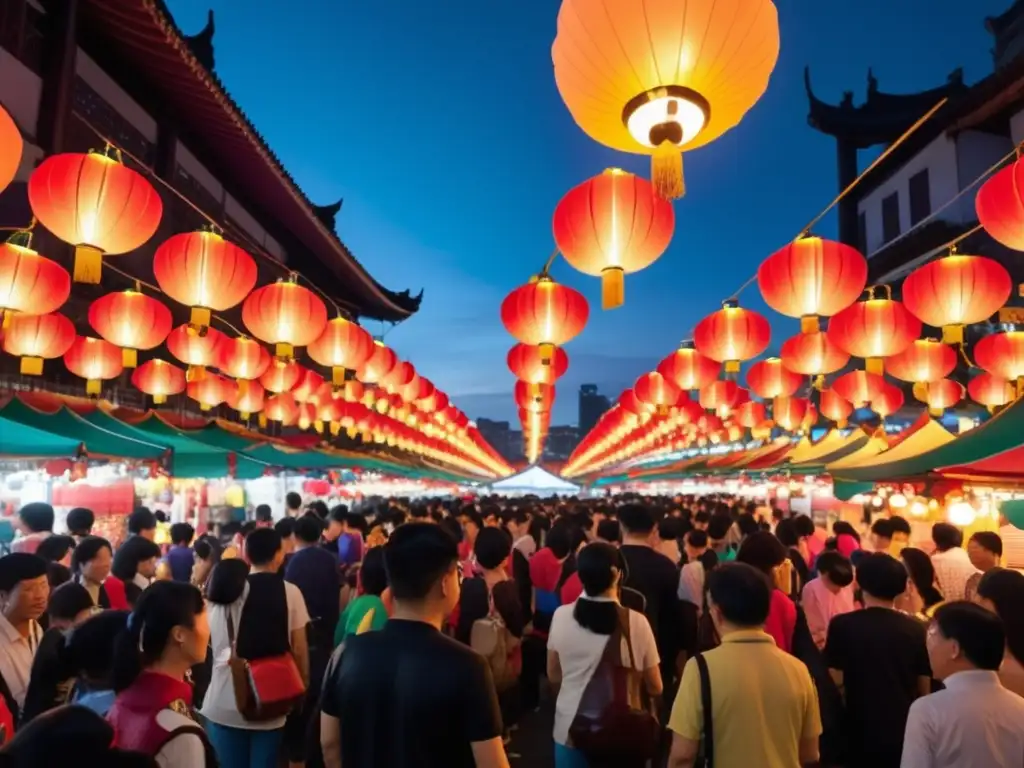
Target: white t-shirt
219, 705
182, 750
579, 652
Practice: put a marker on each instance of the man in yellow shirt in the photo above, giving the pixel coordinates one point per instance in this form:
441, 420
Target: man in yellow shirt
764, 707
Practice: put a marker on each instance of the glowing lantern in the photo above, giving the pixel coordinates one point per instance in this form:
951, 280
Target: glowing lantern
158, 379
924, 360
991, 391
130, 320
612, 224
1000, 206
196, 351
769, 379
750, 414
956, 291
663, 76
535, 398
249, 401
281, 376
732, 335
204, 271
544, 313
859, 387
939, 395
377, 365
655, 390
874, 329
525, 362
242, 358
11, 147
688, 369
35, 338
718, 394
812, 278
398, 378
888, 401
210, 391
281, 408
93, 360
96, 204
342, 346
834, 407
30, 283
305, 416
286, 315
1003, 355
790, 412
812, 354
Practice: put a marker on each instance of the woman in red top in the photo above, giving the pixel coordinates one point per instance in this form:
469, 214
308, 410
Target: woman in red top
766, 553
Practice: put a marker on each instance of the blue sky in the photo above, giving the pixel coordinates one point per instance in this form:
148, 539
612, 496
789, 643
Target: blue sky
439, 123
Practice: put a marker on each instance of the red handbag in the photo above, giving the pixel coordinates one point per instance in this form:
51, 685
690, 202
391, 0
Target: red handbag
265, 689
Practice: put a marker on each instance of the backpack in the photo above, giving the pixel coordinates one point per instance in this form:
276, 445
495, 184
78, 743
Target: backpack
491, 638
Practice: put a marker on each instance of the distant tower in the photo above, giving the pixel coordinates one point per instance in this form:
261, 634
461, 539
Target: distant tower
592, 407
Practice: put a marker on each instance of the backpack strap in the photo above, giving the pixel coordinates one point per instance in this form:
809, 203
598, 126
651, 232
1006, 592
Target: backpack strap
708, 734
194, 730
623, 616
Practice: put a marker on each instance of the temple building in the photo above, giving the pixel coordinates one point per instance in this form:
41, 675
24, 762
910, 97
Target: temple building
914, 202
76, 73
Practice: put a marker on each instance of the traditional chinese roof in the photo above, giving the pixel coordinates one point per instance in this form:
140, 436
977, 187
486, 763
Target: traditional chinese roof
172, 74
1006, 30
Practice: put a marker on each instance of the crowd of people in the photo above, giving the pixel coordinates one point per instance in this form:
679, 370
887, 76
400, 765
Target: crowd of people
684, 631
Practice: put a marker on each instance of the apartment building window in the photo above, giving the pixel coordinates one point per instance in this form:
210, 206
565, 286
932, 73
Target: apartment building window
920, 197
891, 217
22, 29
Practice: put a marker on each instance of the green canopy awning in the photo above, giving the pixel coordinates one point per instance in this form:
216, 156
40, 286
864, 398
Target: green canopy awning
21, 441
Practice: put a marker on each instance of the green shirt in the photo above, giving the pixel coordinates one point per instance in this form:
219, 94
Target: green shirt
354, 614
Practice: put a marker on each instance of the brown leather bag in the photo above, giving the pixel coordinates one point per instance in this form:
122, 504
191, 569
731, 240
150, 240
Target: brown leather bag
612, 725
265, 689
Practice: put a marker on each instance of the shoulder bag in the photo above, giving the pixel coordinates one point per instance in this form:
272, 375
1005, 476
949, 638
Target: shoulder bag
265, 689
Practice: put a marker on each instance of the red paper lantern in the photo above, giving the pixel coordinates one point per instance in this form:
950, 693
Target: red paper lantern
535, 398
1000, 206
307, 386
812, 278
859, 387
812, 354
282, 408
281, 375
93, 360
1003, 355
732, 335
242, 358
377, 365
398, 378
204, 271
657, 391
30, 283
132, 321
342, 346
286, 315
991, 391
790, 412
35, 338
750, 414
195, 350
718, 394
769, 379
888, 401
11, 147
96, 204
835, 408
957, 291
544, 313
527, 364
688, 369
874, 329
612, 224
305, 416
247, 400
939, 395
210, 391
924, 360
158, 379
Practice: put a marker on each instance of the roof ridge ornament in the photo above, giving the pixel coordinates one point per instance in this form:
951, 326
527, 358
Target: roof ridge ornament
201, 43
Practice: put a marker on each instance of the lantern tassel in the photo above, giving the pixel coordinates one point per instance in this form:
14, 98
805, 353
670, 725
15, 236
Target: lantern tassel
547, 353
613, 287
667, 171
88, 264
351, 432
5, 318
263, 421
93, 386
284, 351
952, 334
32, 366
129, 357
338, 376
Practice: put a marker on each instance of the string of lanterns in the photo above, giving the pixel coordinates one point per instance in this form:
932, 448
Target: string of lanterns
102, 208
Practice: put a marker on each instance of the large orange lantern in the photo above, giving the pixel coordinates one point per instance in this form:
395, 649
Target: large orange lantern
281, 408
662, 76
242, 358
544, 313
11, 147
210, 391
655, 390
132, 321
96, 204
688, 369
204, 271
1002, 354
35, 338
991, 391
195, 350
732, 335
718, 394
343, 346
1000, 206
30, 283
888, 401
612, 224
769, 379
939, 395
398, 378
286, 315
249, 401
307, 386
378, 365
93, 360
790, 412
956, 291
159, 379
924, 360
281, 375
750, 414
526, 363
874, 329
835, 407
812, 278
858, 387
535, 398
812, 354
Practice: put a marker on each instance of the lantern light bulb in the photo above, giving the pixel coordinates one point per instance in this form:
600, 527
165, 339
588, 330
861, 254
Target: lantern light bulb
961, 513
674, 115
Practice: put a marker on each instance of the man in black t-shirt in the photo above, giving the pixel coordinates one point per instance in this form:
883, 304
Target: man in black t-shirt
407, 696
879, 660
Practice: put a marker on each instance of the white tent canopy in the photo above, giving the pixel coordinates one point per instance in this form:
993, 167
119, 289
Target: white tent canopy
535, 480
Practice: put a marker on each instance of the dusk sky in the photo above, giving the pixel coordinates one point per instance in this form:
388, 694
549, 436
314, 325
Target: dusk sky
439, 123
